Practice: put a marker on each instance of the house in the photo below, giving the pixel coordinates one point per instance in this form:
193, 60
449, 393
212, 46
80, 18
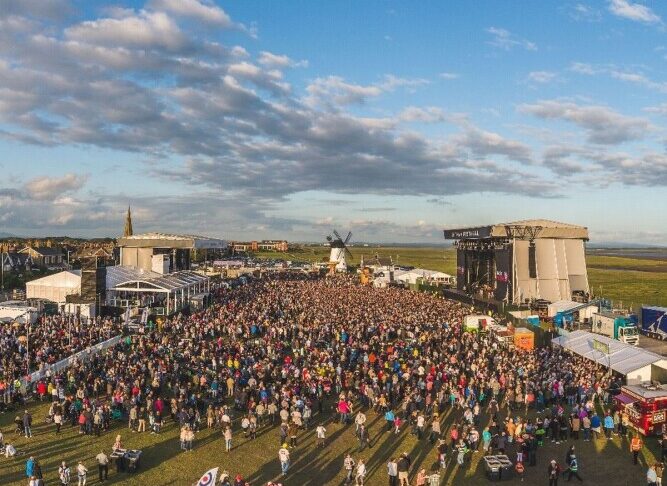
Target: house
16, 262
94, 252
44, 256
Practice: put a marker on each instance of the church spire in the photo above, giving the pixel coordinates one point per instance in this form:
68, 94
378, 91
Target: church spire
128, 223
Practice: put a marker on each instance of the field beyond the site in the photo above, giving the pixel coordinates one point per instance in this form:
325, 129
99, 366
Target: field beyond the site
634, 280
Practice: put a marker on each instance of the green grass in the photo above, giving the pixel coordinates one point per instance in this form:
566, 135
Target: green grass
162, 463
432, 258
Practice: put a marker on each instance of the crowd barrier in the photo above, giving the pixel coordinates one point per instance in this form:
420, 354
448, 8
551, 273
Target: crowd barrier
81, 357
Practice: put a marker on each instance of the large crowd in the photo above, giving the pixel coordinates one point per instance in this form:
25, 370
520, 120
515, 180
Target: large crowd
27, 348
284, 353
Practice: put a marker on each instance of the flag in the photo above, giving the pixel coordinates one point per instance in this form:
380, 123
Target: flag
209, 477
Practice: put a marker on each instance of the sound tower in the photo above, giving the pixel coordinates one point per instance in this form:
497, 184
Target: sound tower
93, 280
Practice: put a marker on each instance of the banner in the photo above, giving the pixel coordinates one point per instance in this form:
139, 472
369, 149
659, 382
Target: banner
209, 477
600, 346
503, 287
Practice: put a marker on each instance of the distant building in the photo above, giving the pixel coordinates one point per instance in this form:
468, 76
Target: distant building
264, 245
16, 262
44, 256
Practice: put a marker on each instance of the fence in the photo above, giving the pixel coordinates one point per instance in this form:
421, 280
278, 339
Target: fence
81, 356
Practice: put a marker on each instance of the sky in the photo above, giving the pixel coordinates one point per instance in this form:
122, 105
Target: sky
393, 120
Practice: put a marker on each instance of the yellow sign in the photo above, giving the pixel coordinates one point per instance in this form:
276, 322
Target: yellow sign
600, 346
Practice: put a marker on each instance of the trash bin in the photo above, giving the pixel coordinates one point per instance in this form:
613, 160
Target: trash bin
492, 468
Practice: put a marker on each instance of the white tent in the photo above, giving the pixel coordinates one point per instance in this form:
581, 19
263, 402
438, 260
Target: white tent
428, 276
15, 311
55, 287
565, 305
631, 361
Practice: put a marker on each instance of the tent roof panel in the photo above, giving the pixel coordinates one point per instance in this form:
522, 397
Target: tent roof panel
623, 358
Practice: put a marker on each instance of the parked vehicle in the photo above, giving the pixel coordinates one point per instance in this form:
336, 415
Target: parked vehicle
654, 322
646, 406
616, 327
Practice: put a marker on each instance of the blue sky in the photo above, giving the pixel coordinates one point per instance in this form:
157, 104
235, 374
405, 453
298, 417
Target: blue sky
395, 120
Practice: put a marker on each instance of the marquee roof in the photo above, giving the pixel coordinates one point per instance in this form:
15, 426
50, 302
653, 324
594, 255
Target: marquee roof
623, 358
169, 282
165, 240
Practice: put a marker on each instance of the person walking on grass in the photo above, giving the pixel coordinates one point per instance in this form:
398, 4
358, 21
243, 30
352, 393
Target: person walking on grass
651, 476
348, 465
361, 473
103, 466
283, 456
392, 472
403, 468
320, 431
364, 440
574, 469
553, 472
636, 447
228, 439
65, 474
82, 473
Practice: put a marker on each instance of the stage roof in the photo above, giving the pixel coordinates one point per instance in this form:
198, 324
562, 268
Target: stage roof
163, 240
550, 229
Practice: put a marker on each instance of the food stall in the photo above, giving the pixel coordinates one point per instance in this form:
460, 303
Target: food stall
646, 406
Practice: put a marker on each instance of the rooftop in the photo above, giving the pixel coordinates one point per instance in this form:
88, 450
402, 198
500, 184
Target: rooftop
549, 229
166, 240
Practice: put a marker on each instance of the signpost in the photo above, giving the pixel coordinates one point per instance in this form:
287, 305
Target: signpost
604, 349
600, 346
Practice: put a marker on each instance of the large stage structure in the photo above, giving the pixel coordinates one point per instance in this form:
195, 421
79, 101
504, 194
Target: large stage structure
522, 261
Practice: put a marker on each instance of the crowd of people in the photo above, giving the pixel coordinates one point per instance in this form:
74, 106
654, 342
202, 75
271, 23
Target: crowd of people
295, 353
27, 348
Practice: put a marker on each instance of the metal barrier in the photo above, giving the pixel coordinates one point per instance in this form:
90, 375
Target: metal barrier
81, 356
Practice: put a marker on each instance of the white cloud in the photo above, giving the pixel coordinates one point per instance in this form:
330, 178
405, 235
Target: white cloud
200, 10
657, 110
583, 68
504, 39
279, 61
144, 30
333, 91
425, 115
602, 124
542, 77
633, 11
50, 188
583, 12
449, 76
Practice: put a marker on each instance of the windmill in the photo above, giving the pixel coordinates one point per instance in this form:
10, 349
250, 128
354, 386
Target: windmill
339, 252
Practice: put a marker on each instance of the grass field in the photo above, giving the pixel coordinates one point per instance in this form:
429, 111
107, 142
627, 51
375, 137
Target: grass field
630, 281
162, 463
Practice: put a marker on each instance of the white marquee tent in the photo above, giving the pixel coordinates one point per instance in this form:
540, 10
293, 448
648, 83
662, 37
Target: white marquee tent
633, 362
55, 287
429, 276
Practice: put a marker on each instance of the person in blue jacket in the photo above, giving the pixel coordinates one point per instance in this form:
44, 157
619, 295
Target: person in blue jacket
608, 425
595, 425
30, 466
